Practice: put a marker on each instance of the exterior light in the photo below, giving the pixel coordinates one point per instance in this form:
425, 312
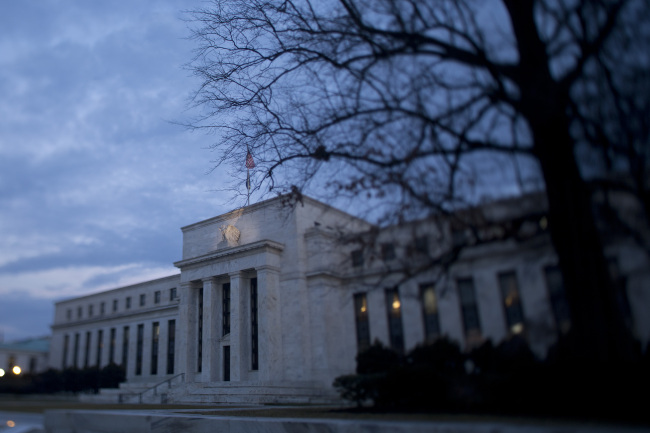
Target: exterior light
396, 304
2, 372
16, 370
10, 423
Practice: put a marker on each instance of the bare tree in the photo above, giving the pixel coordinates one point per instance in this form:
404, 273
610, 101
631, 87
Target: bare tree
406, 100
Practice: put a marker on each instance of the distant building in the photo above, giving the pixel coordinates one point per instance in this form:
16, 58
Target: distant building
274, 301
31, 355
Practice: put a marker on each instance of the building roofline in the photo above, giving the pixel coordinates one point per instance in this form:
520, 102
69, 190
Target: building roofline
130, 286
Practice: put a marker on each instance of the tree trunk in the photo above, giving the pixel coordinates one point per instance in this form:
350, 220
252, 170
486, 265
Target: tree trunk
598, 328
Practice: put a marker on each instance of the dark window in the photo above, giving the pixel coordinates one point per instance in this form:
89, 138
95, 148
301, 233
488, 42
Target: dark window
32, 365
100, 346
430, 311
79, 312
102, 308
172, 293
357, 258
387, 252
111, 347
75, 351
395, 330
68, 314
557, 296
199, 354
156, 297
11, 362
422, 244
469, 307
90, 310
142, 299
87, 350
138, 350
254, 324
226, 363
361, 319
511, 302
155, 335
620, 286
171, 345
125, 347
128, 302
114, 305
225, 309
66, 343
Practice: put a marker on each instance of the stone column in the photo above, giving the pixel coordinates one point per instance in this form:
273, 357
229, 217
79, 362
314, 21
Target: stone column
269, 310
238, 317
186, 327
210, 331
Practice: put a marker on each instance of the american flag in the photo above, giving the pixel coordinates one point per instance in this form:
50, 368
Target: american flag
249, 161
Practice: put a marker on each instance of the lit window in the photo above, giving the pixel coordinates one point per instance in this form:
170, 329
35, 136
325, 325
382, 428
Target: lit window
395, 330
511, 302
361, 319
430, 311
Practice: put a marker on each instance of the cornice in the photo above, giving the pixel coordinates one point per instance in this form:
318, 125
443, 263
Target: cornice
111, 317
265, 244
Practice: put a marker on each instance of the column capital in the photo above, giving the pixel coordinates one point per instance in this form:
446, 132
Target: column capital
268, 268
208, 279
235, 274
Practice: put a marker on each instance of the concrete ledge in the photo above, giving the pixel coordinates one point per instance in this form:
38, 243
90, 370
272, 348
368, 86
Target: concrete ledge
89, 421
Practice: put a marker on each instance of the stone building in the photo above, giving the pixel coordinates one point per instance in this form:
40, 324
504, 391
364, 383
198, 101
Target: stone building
274, 300
30, 356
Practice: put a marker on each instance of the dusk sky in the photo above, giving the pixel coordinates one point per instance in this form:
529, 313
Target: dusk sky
95, 177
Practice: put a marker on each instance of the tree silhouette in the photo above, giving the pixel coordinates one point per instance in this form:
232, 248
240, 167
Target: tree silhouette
405, 100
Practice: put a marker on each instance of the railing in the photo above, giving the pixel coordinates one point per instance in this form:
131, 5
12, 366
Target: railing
153, 389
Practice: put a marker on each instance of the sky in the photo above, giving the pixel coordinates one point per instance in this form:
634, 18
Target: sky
96, 174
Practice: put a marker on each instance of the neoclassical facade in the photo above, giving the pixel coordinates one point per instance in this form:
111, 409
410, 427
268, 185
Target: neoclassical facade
274, 300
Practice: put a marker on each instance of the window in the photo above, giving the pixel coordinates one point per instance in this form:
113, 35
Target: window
142, 299
156, 297
225, 309
68, 314
128, 302
87, 350
559, 304
102, 308
422, 244
75, 352
357, 258
395, 330
469, 309
138, 350
125, 347
511, 302
620, 286
111, 347
387, 252
361, 319
79, 312
172, 293
254, 322
90, 310
11, 362
226, 363
430, 311
100, 346
155, 335
171, 343
114, 305
66, 343
199, 354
